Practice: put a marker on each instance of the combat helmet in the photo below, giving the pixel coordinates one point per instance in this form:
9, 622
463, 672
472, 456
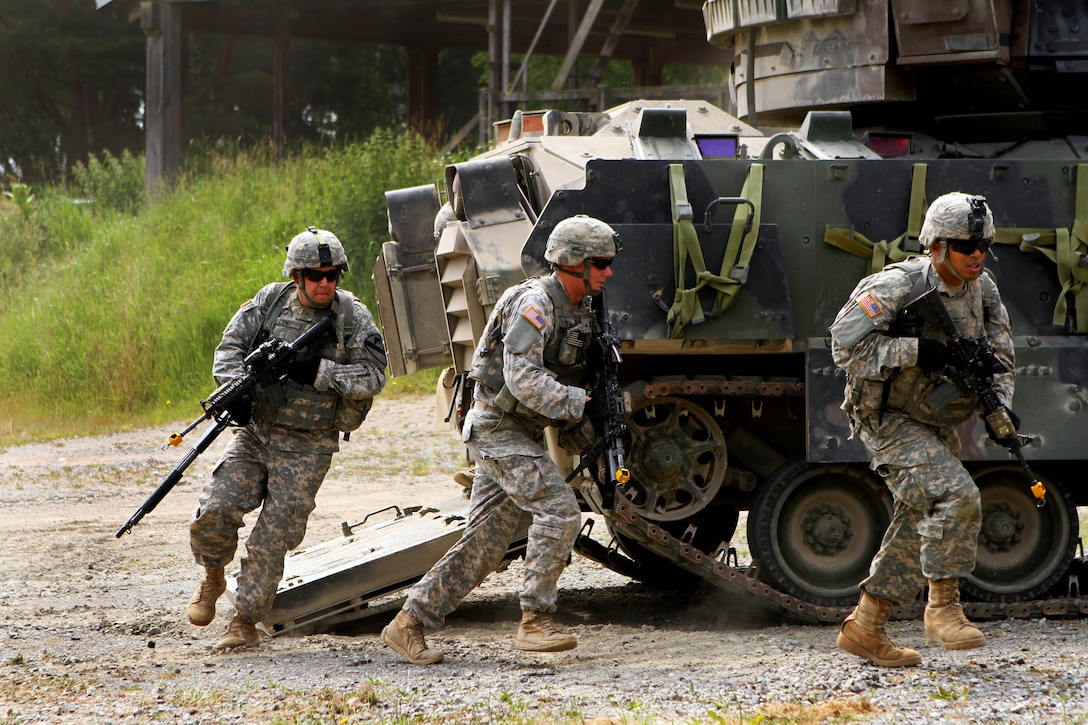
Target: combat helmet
577, 239
581, 237
314, 248
957, 216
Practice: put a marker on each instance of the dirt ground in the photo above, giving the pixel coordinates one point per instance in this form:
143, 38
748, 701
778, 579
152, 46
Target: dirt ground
92, 627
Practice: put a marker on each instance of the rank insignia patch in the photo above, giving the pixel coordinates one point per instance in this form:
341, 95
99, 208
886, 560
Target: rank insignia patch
534, 318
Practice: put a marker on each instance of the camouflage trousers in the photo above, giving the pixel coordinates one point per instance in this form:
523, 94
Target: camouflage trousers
248, 475
514, 477
937, 510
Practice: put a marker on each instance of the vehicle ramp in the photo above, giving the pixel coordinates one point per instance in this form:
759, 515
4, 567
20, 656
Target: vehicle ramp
359, 573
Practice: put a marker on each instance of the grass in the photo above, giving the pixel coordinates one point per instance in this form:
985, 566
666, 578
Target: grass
110, 309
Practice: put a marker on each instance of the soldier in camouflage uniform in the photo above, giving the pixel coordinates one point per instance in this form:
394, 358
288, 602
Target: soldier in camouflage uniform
287, 433
530, 372
893, 363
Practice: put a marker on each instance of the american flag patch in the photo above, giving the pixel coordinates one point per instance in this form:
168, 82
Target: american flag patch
534, 317
870, 305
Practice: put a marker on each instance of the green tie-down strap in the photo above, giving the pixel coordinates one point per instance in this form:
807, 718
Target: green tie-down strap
738, 252
878, 253
686, 308
885, 252
1068, 249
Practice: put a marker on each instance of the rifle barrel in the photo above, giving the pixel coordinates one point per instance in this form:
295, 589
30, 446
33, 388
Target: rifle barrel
174, 476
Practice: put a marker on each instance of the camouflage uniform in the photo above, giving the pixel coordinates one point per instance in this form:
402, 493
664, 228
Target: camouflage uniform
937, 513
281, 457
530, 373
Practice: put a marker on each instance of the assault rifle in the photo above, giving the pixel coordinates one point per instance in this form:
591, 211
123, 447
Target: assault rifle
608, 414
265, 366
972, 367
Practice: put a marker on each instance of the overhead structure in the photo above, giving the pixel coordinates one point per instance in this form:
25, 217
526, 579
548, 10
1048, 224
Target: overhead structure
648, 33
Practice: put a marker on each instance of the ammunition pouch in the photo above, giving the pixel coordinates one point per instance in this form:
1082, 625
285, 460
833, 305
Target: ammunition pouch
505, 401
928, 398
296, 407
350, 414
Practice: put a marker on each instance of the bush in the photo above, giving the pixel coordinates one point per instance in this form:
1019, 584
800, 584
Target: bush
122, 329
38, 229
112, 184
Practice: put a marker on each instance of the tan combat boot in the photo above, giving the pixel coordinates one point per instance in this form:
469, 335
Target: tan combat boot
863, 634
946, 624
538, 633
201, 609
240, 633
404, 635
465, 478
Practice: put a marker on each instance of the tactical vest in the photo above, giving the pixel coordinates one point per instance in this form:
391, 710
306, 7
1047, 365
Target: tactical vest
303, 407
564, 347
927, 397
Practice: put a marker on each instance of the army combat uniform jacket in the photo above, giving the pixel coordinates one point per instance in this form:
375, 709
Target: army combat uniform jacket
531, 361
306, 418
881, 366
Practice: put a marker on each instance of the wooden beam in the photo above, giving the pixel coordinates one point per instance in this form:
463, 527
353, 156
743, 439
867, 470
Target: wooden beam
423, 89
647, 69
615, 34
161, 23
281, 77
576, 44
532, 46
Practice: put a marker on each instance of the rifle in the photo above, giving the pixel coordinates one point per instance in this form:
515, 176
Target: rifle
609, 416
265, 366
972, 371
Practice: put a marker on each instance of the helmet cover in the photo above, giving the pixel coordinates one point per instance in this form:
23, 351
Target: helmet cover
312, 249
957, 216
581, 237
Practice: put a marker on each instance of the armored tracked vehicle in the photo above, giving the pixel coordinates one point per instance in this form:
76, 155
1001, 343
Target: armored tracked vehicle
743, 234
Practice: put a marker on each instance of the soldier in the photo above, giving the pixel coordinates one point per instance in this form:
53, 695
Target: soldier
893, 363
282, 450
530, 372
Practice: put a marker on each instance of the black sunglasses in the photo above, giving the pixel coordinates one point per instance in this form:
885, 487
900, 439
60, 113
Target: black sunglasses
968, 246
316, 275
601, 262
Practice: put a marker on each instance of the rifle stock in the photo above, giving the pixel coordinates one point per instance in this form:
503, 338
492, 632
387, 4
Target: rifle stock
972, 371
267, 365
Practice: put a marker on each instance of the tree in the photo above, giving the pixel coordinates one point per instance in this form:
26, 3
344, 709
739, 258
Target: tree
72, 80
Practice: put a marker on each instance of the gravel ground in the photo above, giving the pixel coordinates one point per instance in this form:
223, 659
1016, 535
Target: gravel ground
92, 628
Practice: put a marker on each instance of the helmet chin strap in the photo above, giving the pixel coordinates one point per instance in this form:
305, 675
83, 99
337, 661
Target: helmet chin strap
584, 276
942, 258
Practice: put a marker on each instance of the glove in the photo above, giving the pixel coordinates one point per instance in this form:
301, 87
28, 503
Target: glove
303, 369
1001, 426
241, 411
932, 354
577, 436
596, 409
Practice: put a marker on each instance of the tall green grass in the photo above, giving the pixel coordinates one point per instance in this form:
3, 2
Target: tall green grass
110, 310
